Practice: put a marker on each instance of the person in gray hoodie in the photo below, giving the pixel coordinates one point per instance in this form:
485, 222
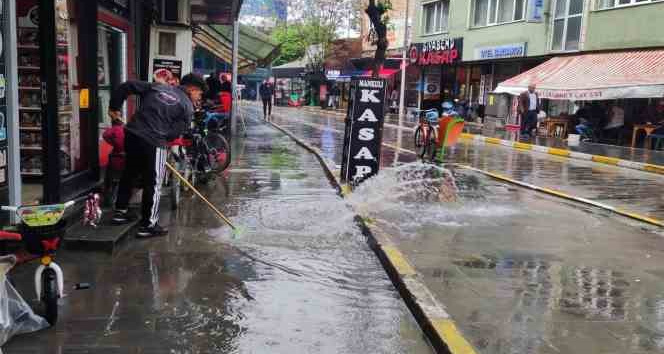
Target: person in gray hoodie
165, 112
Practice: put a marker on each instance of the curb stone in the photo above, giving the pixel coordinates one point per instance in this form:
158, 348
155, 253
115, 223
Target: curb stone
613, 161
435, 322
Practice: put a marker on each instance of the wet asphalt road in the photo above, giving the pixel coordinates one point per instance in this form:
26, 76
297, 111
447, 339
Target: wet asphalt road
520, 271
632, 190
298, 279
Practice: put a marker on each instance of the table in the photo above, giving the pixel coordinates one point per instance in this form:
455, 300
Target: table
648, 128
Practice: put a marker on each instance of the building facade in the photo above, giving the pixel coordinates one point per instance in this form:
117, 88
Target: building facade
465, 48
60, 61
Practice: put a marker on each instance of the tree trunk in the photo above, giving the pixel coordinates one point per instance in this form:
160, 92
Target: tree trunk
376, 17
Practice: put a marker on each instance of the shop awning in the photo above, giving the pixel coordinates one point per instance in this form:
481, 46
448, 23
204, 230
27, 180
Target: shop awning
599, 76
292, 69
255, 48
222, 12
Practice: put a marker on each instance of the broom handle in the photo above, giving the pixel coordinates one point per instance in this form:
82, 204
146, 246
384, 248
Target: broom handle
214, 208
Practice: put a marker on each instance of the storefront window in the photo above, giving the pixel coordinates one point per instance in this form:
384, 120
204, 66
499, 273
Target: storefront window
111, 70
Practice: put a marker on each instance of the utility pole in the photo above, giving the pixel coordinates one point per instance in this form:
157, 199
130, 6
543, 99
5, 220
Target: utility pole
402, 95
236, 40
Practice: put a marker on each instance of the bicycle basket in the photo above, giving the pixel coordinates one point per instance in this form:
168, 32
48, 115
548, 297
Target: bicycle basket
34, 235
432, 117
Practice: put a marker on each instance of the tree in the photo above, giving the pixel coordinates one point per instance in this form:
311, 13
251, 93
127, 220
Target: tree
378, 15
292, 44
311, 28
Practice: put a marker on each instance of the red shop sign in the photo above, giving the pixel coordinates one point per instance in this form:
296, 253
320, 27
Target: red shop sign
439, 52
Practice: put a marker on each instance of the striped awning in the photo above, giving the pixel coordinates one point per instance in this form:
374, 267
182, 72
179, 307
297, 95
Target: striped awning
598, 76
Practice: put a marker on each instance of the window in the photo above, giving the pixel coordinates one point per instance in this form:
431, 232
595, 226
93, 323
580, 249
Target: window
167, 43
567, 25
609, 4
491, 12
434, 16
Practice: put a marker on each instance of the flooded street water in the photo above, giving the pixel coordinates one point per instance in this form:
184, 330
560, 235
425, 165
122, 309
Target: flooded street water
299, 278
520, 271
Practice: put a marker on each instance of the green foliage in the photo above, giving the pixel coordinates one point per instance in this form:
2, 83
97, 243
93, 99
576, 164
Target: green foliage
296, 37
292, 44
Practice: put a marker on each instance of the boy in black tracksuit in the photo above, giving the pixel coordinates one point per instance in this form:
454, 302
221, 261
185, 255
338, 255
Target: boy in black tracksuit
165, 112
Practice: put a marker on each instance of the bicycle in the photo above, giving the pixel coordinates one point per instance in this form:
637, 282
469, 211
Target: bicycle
40, 231
425, 133
178, 157
211, 150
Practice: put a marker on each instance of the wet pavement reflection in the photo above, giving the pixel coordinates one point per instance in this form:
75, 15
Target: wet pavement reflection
300, 278
628, 189
520, 271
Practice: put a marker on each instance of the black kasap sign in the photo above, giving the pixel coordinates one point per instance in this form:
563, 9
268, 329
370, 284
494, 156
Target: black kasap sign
364, 130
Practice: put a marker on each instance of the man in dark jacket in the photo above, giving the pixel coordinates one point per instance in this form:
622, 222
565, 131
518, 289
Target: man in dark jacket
528, 109
165, 112
265, 90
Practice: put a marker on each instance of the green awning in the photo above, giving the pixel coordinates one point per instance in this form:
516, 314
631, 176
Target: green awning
255, 48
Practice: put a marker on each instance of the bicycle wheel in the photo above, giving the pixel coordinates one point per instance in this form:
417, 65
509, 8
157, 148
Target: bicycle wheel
432, 146
50, 296
419, 141
425, 145
219, 152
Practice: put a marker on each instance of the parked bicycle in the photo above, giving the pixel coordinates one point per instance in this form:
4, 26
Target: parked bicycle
40, 232
201, 153
425, 133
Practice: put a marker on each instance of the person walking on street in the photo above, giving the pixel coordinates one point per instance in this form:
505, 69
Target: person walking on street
265, 90
528, 108
165, 112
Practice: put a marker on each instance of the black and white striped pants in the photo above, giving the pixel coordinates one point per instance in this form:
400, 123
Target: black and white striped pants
149, 163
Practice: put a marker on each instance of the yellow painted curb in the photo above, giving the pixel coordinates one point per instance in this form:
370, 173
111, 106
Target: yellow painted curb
493, 141
398, 261
556, 193
456, 343
653, 168
646, 219
345, 190
606, 160
559, 152
467, 136
523, 146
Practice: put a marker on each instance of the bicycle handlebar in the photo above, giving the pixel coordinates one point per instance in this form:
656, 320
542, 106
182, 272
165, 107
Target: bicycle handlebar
15, 208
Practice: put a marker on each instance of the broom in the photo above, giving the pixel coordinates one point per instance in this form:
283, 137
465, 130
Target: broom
189, 185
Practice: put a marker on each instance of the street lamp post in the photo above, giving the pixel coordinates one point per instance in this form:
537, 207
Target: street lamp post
402, 94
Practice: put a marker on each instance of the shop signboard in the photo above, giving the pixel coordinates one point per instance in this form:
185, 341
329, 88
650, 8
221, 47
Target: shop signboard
173, 66
439, 52
535, 12
515, 50
364, 128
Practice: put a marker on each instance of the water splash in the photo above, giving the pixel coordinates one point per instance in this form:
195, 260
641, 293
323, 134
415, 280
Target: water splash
418, 194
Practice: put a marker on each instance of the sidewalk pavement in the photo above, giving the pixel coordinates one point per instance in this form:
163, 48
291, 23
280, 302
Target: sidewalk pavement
299, 278
521, 271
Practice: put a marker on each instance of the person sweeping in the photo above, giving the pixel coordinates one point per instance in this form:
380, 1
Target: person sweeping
165, 112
